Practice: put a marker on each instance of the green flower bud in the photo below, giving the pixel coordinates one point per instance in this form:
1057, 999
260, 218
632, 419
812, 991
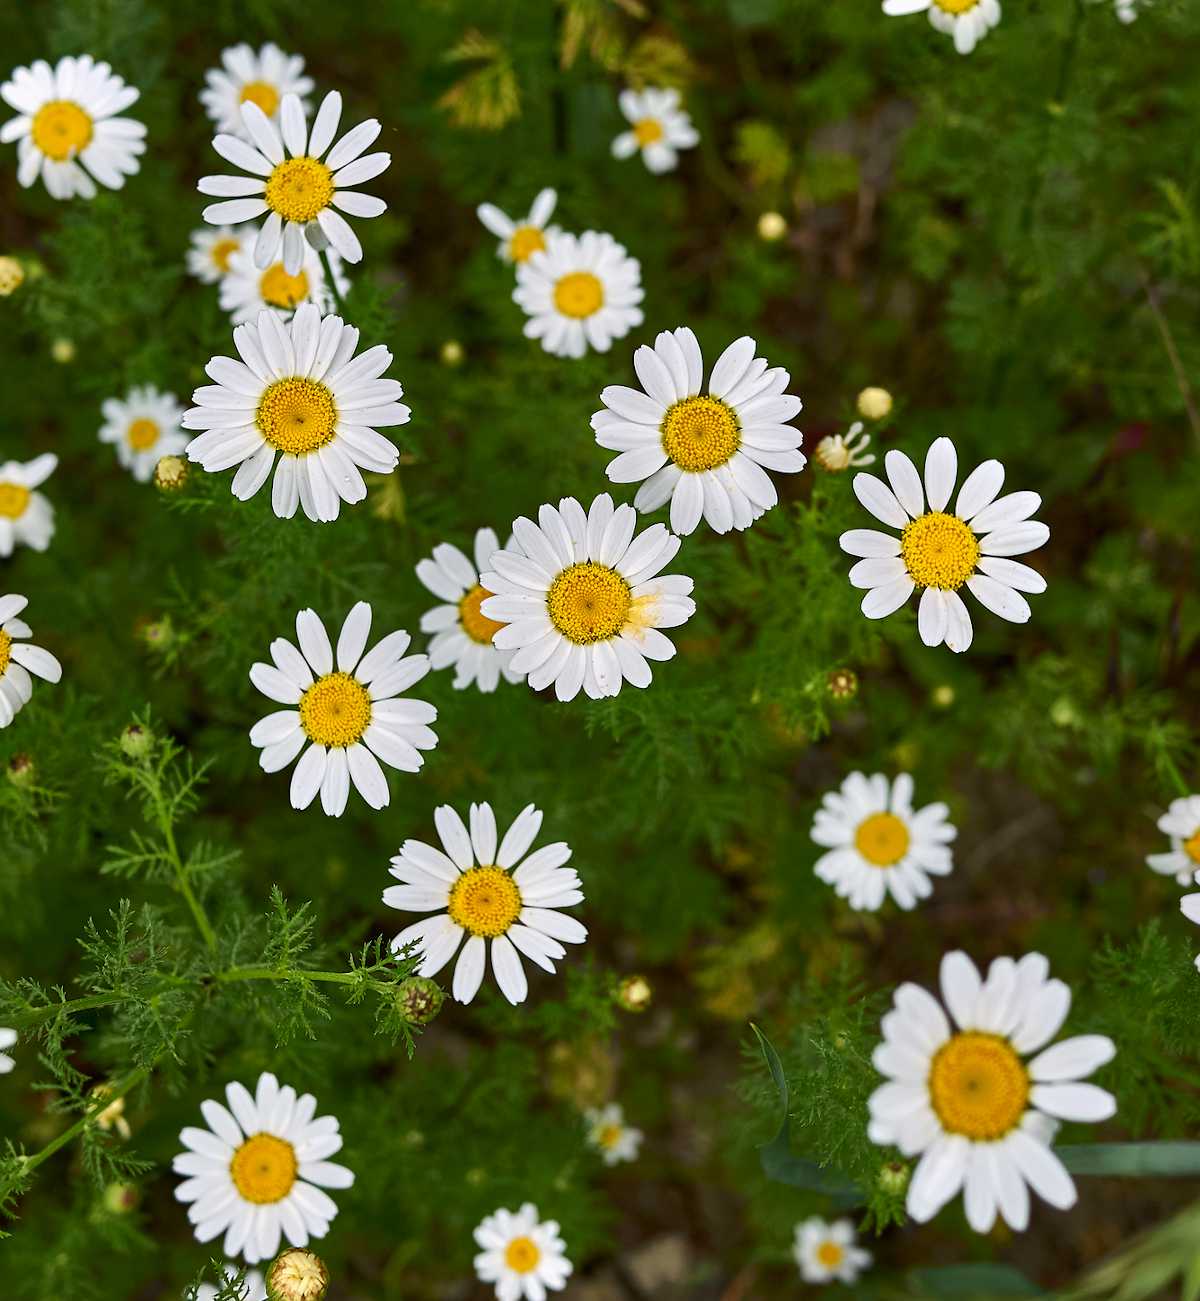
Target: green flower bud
420, 999
137, 741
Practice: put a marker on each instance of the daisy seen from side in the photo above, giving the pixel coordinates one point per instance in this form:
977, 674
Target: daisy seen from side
967, 21
19, 658
609, 1135
522, 1255
837, 452
520, 240
143, 426
827, 1252
1181, 823
26, 516
247, 290
247, 75
658, 127
211, 250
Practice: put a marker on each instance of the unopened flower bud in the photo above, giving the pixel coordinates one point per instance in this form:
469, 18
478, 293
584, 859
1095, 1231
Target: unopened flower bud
297, 1275
22, 771
137, 741
12, 276
171, 473
120, 1199
842, 684
157, 634
452, 353
942, 695
63, 351
874, 403
772, 226
420, 999
893, 1177
634, 994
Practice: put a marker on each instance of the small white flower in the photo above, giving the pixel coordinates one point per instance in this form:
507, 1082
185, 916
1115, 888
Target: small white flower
144, 427
1181, 822
257, 1172
489, 892
26, 517
580, 291
825, 1252
462, 634
247, 290
522, 1255
1189, 905
68, 131
939, 551
7, 1039
1127, 10
19, 658
520, 240
347, 710
707, 453
963, 1098
610, 1135
968, 21
262, 78
838, 452
660, 128
212, 250
254, 1288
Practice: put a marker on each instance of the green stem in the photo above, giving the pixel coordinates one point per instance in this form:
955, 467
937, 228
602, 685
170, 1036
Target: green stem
118, 1090
167, 827
273, 973
24, 1020
1173, 772
327, 266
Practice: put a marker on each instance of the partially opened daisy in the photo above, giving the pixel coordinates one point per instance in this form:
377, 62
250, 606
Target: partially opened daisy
940, 551
254, 1287
878, 844
520, 240
257, 1172
247, 290
827, 1253
261, 77
143, 427
658, 127
837, 452
68, 130
299, 392
584, 599
7, 1039
19, 658
968, 21
579, 292
707, 453
488, 891
301, 183
608, 1133
462, 634
345, 706
523, 1256
26, 517
213, 248
962, 1096
1181, 823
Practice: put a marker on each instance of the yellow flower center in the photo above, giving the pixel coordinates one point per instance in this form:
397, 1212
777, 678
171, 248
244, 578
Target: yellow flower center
830, 1254
609, 1136
335, 710
978, 1086
956, 6
700, 433
882, 839
939, 550
222, 251
5, 650
484, 901
647, 131
476, 625
264, 1169
299, 188
142, 434
61, 129
588, 603
524, 242
522, 1255
14, 497
297, 415
281, 290
261, 93
1191, 846
579, 294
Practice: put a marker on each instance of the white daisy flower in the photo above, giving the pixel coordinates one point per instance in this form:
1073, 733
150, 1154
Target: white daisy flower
68, 117
968, 21
659, 128
707, 453
261, 78
212, 250
963, 1098
583, 598
580, 291
1181, 822
1127, 10
1189, 905
939, 551
247, 290
523, 1256
298, 391
19, 658
26, 517
7, 1039
608, 1133
144, 427
298, 180
488, 893
838, 452
520, 240
349, 710
878, 845
254, 1288
462, 634
827, 1252
257, 1172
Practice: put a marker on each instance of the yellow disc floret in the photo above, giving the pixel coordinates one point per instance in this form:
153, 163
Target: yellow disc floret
1191, 846
830, 1254
261, 93
524, 242
475, 624
222, 251
299, 188
264, 1169
700, 433
281, 290
648, 131
579, 294
939, 550
484, 901
589, 602
5, 649
978, 1086
297, 415
14, 497
61, 129
956, 6
335, 710
882, 839
522, 1255
142, 434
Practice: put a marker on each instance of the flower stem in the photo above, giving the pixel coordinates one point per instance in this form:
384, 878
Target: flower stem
327, 267
118, 1090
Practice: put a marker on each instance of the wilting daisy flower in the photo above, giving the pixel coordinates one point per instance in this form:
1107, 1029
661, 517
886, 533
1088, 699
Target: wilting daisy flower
255, 1286
298, 391
346, 711
520, 240
706, 453
212, 250
247, 290
19, 658
968, 21
660, 128
7, 1039
610, 1135
963, 1098
837, 452
68, 116
939, 551
877, 844
488, 893
256, 1173
144, 427
462, 634
1181, 822
522, 1255
246, 77
26, 517
298, 180
580, 291
825, 1252
583, 600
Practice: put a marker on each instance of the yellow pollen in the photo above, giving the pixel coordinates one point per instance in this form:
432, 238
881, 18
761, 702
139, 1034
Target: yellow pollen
579, 294
61, 129
142, 434
939, 550
222, 251
522, 1255
524, 242
299, 188
297, 415
588, 602
264, 1169
956, 6
14, 497
281, 290
882, 839
484, 901
476, 625
5, 649
700, 433
978, 1086
261, 93
830, 1254
648, 131
609, 1136
1191, 846
335, 710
